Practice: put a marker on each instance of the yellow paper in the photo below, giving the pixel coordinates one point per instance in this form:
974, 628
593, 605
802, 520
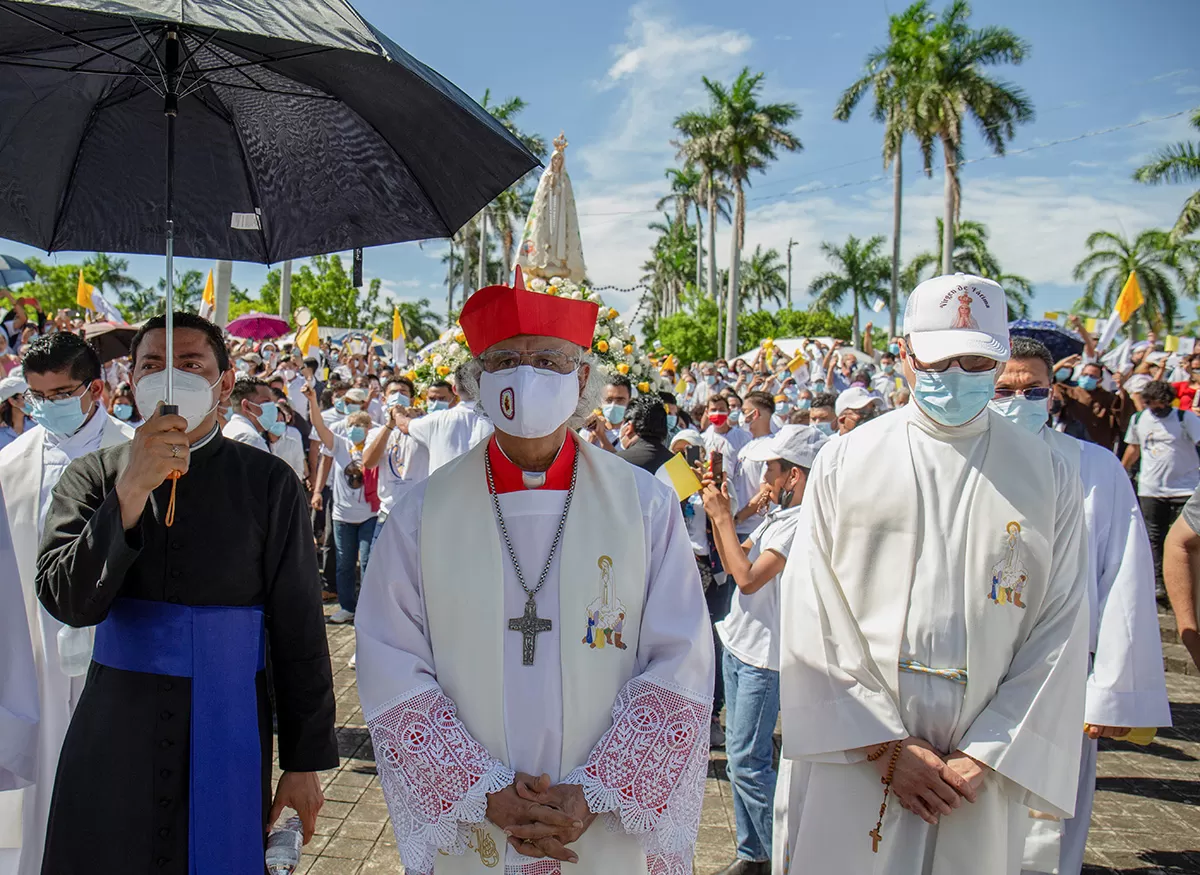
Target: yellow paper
797, 363
1130, 298
1171, 344
397, 325
1142, 735
1051, 315
683, 478
1090, 324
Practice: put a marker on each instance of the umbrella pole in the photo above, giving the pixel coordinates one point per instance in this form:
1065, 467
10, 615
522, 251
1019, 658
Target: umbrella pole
171, 110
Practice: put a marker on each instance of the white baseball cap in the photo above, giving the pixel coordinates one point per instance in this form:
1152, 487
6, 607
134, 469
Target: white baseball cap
689, 436
956, 315
854, 398
798, 444
13, 384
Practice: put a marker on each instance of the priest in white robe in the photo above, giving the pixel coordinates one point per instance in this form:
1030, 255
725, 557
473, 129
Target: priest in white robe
534, 655
18, 682
933, 629
65, 385
1126, 688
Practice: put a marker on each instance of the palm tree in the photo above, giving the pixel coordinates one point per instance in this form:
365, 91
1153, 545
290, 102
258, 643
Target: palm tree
419, 320
747, 134
890, 74
860, 270
1161, 274
671, 265
1177, 163
506, 210
189, 288
764, 277
103, 271
700, 147
950, 84
972, 255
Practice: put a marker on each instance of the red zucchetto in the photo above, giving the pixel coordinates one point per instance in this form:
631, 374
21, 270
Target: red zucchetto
496, 313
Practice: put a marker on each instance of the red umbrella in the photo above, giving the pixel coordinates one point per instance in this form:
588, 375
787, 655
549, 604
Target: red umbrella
258, 326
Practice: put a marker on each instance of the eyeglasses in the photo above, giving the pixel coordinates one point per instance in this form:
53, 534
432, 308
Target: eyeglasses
973, 364
1037, 393
499, 360
57, 396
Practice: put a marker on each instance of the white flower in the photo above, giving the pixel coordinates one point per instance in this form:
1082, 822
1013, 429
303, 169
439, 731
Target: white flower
454, 349
438, 359
538, 284
558, 281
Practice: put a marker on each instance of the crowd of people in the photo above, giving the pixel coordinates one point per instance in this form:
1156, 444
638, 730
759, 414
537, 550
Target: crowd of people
937, 561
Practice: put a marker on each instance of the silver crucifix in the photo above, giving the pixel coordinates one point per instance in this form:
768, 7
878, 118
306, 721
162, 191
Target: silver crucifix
530, 625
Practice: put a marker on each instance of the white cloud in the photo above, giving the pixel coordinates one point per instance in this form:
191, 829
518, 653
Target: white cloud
1087, 164
1188, 89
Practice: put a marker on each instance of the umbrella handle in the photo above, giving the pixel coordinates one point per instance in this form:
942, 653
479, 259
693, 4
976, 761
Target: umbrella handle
169, 517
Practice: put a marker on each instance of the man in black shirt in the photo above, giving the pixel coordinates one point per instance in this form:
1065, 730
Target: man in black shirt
643, 434
190, 582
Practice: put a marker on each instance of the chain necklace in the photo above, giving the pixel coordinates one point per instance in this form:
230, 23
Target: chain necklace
530, 625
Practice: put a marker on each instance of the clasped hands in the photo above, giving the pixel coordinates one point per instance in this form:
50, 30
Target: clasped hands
928, 784
539, 819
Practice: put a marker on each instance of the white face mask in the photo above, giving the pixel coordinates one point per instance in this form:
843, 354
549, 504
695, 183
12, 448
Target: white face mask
193, 395
529, 403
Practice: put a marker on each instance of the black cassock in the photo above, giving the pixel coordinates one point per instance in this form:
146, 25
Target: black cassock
241, 537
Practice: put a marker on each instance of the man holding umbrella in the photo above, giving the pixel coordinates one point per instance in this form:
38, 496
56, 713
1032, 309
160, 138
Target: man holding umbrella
175, 720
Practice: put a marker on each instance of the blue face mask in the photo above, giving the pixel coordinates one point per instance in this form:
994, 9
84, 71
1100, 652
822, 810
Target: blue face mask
269, 415
352, 408
825, 428
398, 400
357, 434
672, 421
711, 379
804, 404
1062, 375
1088, 383
123, 412
435, 406
783, 408
889, 369
278, 428
894, 348
954, 397
614, 413
818, 385
1025, 412
62, 418
339, 406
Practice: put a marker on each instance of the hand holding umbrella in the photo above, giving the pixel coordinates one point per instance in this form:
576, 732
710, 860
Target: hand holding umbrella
159, 452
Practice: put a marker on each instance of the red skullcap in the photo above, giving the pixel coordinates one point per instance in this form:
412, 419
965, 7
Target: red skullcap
496, 313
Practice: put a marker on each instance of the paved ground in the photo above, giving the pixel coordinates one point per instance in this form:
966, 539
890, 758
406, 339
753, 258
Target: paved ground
1147, 817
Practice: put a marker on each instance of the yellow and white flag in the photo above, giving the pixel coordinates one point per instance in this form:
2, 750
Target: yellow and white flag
1127, 304
89, 297
308, 337
208, 302
399, 341
679, 476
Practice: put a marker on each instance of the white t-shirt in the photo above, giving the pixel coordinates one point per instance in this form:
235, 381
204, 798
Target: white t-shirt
695, 520
1170, 467
751, 630
747, 480
240, 429
290, 448
349, 505
448, 434
1135, 384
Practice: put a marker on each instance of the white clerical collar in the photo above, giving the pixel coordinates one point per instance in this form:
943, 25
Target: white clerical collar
83, 441
207, 439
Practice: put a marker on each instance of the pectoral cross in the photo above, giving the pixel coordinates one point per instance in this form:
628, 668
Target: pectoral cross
529, 625
876, 838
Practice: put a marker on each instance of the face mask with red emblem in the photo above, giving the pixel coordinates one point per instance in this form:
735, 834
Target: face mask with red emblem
527, 402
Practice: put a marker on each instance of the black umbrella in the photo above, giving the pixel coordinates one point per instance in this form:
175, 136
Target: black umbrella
292, 128
111, 341
1061, 342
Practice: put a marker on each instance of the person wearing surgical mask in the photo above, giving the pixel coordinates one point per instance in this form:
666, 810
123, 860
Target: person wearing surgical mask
183, 548
451, 427
285, 440
531, 599
970, 539
1087, 410
643, 434
602, 428
254, 412
399, 458
1125, 684
356, 506
822, 415
124, 406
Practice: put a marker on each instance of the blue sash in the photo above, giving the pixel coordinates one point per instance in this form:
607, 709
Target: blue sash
221, 649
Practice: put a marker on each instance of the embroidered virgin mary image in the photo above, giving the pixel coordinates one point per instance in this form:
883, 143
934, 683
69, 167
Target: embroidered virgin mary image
606, 614
1009, 574
964, 319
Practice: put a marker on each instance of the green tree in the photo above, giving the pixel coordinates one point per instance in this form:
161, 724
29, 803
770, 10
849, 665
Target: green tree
951, 84
860, 271
671, 266
972, 255
420, 322
324, 287
763, 276
1161, 274
690, 334
1177, 163
748, 135
891, 72
700, 147
55, 287
109, 275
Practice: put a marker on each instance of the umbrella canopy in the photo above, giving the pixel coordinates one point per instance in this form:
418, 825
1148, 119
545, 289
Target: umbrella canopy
1060, 341
13, 271
299, 129
111, 341
258, 326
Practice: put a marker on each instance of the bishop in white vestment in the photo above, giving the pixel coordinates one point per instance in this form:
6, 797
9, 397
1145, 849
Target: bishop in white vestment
537, 619
1125, 684
938, 610
30, 467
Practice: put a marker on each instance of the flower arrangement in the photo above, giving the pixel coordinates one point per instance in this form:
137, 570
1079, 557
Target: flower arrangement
612, 343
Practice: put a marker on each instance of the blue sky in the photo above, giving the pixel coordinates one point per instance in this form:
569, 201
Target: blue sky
613, 76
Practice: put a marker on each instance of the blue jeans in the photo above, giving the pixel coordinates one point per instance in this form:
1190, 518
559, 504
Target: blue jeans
353, 544
751, 709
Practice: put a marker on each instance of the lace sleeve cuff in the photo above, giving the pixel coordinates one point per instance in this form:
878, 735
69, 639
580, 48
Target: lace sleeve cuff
435, 776
649, 767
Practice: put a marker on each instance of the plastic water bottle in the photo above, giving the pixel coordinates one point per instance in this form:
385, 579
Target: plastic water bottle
283, 847
74, 650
